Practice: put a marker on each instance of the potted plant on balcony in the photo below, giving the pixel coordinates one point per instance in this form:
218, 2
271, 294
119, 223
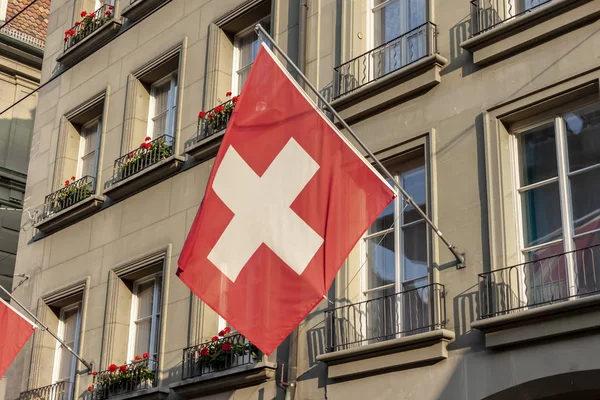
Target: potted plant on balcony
222, 351
71, 194
148, 153
126, 378
88, 24
217, 118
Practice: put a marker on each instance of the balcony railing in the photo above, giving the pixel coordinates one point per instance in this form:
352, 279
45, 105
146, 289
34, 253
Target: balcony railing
211, 357
58, 391
414, 45
490, 13
124, 379
88, 25
213, 121
540, 282
388, 317
67, 196
148, 154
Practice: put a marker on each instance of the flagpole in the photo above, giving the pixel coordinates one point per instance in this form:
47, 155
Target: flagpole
460, 258
70, 350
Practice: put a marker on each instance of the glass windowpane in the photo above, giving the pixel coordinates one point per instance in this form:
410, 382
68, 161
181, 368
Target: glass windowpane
585, 199
537, 153
546, 274
414, 184
382, 270
541, 215
142, 337
415, 306
145, 295
583, 137
414, 254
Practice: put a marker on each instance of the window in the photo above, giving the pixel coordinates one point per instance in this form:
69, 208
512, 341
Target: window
396, 251
397, 19
558, 182
88, 149
145, 317
163, 107
246, 45
65, 363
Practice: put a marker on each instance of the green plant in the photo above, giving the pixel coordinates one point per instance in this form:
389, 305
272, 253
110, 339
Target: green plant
72, 193
89, 22
222, 350
216, 118
125, 377
148, 154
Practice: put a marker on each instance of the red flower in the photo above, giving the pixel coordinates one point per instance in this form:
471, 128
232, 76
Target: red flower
226, 347
228, 94
211, 116
94, 373
83, 14
148, 145
66, 183
201, 114
148, 138
146, 355
235, 99
227, 329
222, 333
76, 23
66, 39
112, 367
107, 12
221, 108
92, 15
72, 32
138, 358
215, 338
204, 352
72, 178
67, 31
90, 388
110, 7
123, 368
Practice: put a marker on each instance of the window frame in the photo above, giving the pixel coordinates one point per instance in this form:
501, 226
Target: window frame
153, 350
57, 353
97, 120
171, 111
236, 68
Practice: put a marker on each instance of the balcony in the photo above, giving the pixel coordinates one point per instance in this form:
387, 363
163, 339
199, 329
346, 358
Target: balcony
398, 330
208, 368
502, 28
210, 130
57, 391
69, 204
393, 71
87, 35
150, 163
136, 9
137, 379
547, 297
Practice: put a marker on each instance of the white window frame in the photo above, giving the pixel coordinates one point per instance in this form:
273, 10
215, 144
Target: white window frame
236, 68
564, 187
397, 228
3, 8
171, 104
82, 140
156, 312
57, 352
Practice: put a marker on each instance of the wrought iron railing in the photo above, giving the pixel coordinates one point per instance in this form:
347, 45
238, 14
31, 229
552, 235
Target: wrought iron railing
387, 317
213, 357
124, 379
57, 391
540, 282
213, 121
88, 25
412, 46
488, 14
148, 154
68, 196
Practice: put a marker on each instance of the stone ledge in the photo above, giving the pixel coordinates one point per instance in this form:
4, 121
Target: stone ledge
404, 83
70, 215
144, 179
207, 147
224, 381
405, 352
567, 317
143, 394
139, 8
90, 43
534, 28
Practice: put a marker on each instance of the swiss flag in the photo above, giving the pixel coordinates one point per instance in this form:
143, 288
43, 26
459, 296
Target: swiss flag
15, 331
287, 200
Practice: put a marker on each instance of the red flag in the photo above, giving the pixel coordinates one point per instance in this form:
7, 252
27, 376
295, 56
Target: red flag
287, 200
15, 331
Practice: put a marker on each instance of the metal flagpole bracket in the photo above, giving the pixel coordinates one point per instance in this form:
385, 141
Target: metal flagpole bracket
460, 257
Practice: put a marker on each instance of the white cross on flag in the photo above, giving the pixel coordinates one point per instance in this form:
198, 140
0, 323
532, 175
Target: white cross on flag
287, 200
15, 331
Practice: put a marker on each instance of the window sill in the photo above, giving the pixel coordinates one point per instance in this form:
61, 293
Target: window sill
139, 8
408, 81
90, 44
532, 29
225, 381
406, 352
154, 393
207, 147
544, 322
70, 215
143, 179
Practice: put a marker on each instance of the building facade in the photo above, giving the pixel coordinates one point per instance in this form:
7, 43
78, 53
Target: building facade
21, 53
486, 112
